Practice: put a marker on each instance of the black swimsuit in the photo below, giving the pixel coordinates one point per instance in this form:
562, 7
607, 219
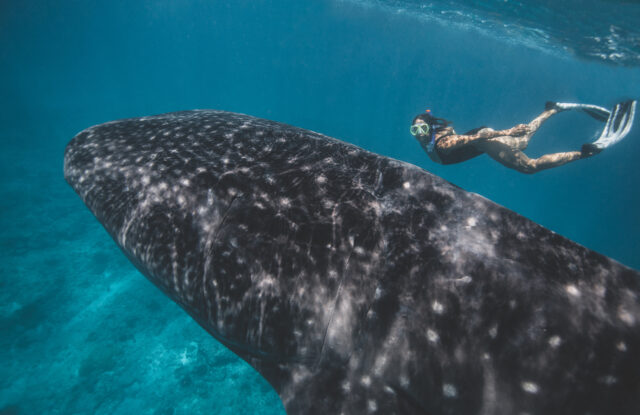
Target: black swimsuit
457, 155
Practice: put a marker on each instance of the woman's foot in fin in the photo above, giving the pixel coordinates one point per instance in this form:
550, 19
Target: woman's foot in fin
589, 150
558, 106
549, 105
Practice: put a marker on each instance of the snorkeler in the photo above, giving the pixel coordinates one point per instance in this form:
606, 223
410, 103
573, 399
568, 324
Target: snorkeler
445, 146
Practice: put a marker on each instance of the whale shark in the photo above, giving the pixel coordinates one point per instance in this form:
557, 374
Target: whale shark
359, 284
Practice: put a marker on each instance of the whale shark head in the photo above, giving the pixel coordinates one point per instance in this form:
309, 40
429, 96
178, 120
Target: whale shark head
355, 283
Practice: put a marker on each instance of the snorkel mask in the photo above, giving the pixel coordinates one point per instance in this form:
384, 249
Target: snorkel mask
422, 129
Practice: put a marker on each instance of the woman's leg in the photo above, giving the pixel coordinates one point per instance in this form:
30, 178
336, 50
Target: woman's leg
534, 125
514, 143
517, 137
517, 160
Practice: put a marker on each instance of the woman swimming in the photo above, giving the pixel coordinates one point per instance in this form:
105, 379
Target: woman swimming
445, 146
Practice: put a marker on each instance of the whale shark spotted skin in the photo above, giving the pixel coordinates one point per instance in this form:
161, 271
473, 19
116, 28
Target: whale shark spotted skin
359, 284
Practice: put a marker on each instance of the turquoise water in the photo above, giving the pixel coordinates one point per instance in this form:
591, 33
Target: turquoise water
83, 332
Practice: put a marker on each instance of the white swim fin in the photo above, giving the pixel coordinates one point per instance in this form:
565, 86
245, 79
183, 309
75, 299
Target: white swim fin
617, 127
599, 113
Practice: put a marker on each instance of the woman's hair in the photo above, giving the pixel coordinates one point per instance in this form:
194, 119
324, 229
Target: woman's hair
435, 123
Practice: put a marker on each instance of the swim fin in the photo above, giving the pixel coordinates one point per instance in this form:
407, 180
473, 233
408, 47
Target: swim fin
594, 111
617, 127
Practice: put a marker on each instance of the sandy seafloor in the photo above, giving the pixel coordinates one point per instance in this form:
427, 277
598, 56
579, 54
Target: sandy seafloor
82, 332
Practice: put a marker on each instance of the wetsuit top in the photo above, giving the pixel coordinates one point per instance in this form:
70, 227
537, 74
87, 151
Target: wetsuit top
457, 155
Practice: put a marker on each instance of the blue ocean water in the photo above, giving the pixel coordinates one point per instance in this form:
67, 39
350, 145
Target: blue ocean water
83, 332
605, 31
